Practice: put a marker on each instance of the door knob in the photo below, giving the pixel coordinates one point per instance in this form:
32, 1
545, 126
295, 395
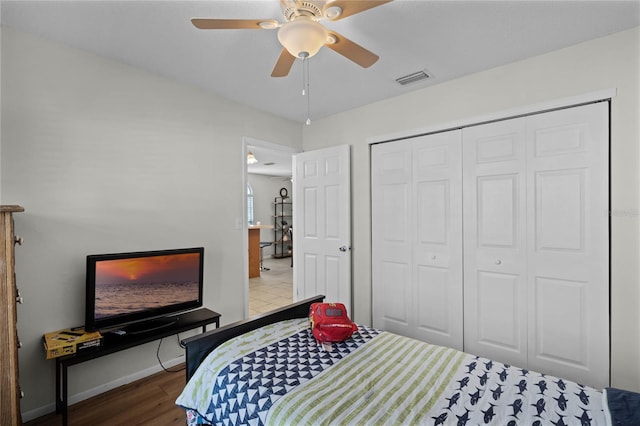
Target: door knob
498, 262
344, 248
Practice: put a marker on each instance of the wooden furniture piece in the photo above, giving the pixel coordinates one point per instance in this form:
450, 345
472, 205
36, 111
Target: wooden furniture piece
9, 343
115, 343
254, 249
254, 252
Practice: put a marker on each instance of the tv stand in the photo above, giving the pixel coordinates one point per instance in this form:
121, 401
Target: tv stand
115, 343
150, 325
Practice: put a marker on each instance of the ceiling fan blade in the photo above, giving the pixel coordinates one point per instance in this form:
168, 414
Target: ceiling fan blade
351, 50
284, 64
351, 7
232, 24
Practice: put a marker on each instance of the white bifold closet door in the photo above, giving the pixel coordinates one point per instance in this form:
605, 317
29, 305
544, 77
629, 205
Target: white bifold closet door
512, 264
495, 249
536, 252
417, 242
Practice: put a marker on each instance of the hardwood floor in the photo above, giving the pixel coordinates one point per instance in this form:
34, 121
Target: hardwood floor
148, 401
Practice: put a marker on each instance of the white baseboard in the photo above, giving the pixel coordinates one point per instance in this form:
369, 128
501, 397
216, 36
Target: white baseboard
90, 393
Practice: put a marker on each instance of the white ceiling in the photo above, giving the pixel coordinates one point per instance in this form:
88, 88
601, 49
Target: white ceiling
271, 160
447, 39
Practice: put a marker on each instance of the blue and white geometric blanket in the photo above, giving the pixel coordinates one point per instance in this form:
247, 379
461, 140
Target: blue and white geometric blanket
374, 378
244, 390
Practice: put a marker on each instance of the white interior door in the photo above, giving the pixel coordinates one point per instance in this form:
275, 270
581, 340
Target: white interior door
417, 238
322, 224
495, 267
568, 243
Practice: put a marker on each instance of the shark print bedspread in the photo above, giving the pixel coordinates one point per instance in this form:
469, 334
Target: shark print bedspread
280, 376
489, 392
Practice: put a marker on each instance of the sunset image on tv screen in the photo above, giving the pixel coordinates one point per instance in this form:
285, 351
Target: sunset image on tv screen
144, 283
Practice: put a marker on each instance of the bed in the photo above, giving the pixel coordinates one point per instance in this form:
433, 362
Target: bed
269, 370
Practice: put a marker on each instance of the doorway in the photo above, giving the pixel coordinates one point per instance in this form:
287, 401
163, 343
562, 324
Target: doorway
267, 182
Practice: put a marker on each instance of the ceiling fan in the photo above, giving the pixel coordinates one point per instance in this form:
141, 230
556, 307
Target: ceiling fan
301, 35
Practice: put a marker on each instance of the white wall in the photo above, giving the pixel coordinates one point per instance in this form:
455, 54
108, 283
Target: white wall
107, 158
609, 62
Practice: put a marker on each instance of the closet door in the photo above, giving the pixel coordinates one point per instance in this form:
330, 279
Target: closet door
417, 238
391, 237
495, 267
568, 243
437, 247
536, 253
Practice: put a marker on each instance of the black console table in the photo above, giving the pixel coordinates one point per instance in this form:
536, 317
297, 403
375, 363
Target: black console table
115, 343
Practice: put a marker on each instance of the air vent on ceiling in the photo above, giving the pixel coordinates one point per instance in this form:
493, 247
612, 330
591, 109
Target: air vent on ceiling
412, 78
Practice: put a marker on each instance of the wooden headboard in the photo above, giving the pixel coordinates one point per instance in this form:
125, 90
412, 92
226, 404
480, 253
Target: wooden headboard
198, 347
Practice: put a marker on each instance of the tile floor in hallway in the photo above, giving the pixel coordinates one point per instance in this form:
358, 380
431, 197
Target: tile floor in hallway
273, 288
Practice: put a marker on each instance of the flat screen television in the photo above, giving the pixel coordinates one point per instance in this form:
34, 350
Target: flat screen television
141, 291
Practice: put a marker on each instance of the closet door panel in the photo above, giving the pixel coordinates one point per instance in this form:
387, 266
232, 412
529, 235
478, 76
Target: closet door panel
395, 293
494, 191
417, 238
432, 290
497, 211
568, 243
560, 210
496, 305
437, 250
433, 212
392, 272
561, 322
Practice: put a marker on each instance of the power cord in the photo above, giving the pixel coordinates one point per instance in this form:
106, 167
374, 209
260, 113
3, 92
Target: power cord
160, 362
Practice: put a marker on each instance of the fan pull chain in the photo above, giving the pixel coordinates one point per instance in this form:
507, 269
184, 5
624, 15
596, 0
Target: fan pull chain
304, 76
305, 66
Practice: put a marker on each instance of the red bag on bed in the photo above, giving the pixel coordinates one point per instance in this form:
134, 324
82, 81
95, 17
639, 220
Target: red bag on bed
330, 322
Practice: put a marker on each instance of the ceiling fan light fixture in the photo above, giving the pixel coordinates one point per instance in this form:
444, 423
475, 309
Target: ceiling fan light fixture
302, 37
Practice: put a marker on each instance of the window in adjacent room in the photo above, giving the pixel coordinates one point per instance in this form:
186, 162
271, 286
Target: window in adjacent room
249, 204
